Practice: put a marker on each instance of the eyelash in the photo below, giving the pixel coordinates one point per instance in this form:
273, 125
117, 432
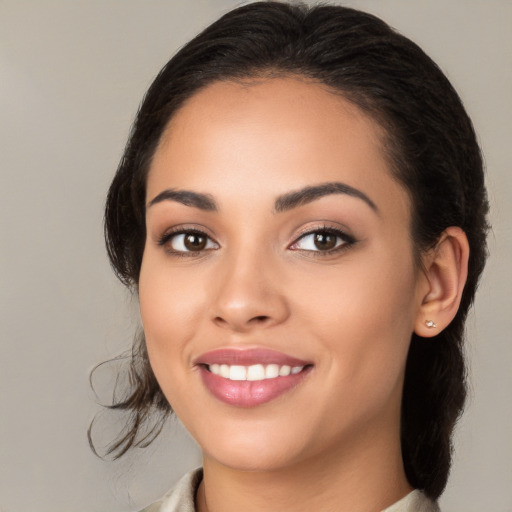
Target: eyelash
346, 239
169, 235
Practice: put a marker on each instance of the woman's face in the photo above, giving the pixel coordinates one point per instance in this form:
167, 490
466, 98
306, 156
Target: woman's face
278, 288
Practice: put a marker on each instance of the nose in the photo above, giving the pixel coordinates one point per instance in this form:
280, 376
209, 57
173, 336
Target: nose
249, 295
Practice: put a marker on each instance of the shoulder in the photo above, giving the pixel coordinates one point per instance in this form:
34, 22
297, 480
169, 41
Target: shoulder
415, 501
181, 497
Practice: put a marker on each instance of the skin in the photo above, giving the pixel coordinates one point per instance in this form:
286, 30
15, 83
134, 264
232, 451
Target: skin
331, 443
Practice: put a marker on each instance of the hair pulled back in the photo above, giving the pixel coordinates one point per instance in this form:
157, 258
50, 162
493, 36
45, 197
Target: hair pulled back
433, 152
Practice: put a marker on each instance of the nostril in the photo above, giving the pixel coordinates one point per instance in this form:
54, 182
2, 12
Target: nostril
260, 319
241, 323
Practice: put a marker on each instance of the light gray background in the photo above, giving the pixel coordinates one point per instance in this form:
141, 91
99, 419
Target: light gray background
71, 76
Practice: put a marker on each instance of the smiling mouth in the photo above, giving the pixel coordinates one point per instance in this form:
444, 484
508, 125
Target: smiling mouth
250, 377
254, 372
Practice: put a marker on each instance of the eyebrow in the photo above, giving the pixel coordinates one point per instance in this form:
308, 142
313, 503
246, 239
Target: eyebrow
283, 203
309, 194
187, 197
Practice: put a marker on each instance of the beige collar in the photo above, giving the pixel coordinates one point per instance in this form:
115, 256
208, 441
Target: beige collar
181, 498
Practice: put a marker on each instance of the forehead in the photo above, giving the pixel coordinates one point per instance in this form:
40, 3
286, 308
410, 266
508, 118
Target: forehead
276, 134
289, 107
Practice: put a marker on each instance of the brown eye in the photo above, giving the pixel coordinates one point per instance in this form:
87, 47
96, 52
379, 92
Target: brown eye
194, 242
188, 242
324, 241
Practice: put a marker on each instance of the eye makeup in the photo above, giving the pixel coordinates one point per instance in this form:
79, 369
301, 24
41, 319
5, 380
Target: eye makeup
317, 241
183, 241
322, 241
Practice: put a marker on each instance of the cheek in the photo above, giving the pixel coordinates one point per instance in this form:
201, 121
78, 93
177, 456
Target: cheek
167, 315
169, 308
364, 316
169, 300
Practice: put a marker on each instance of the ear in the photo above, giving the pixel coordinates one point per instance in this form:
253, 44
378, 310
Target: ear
445, 271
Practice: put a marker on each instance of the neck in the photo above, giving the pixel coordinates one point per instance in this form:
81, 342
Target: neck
367, 477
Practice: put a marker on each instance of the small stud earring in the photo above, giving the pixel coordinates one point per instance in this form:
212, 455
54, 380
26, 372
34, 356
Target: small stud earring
430, 324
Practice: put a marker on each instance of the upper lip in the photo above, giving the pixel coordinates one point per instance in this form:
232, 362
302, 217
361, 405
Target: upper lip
248, 357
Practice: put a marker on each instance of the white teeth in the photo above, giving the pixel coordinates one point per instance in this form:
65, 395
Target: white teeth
237, 373
253, 372
285, 370
224, 371
256, 372
272, 371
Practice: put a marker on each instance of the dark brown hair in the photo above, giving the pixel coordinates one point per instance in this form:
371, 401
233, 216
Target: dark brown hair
431, 145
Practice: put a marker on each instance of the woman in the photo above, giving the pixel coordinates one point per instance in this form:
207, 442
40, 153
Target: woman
302, 213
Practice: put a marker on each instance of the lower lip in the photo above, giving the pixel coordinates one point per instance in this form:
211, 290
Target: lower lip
245, 393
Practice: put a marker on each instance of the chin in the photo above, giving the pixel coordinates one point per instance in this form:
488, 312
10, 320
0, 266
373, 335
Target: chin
254, 460
257, 447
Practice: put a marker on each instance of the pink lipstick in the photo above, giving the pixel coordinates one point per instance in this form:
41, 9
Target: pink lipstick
250, 377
